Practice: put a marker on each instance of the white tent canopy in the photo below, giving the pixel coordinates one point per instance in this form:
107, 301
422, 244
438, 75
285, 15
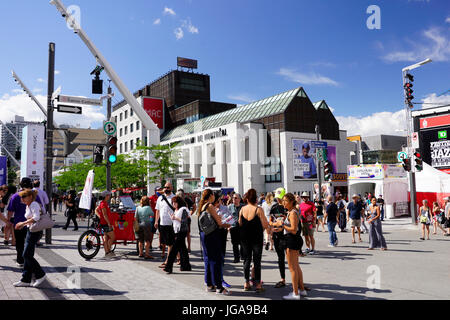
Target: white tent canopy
432, 180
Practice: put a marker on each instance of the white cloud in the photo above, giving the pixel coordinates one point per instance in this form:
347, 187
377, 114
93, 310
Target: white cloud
17, 90
22, 105
312, 78
323, 64
436, 46
57, 72
179, 33
433, 100
157, 21
169, 11
374, 124
241, 97
187, 24
41, 80
447, 20
37, 90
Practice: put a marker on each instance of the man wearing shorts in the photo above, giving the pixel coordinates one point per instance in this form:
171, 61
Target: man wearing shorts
308, 218
354, 212
164, 211
104, 213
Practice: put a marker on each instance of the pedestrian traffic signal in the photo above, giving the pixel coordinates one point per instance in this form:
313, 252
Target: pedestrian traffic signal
98, 154
328, 170
410, 77
112, 149
406, 164
419, 161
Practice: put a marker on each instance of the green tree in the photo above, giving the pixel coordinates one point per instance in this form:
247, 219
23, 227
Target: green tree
12, 175
163, 163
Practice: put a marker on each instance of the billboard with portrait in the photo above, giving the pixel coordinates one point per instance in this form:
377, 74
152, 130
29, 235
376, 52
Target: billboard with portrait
305, 159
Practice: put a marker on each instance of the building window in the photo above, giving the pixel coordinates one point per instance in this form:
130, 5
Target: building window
131, 112
126, 130
137, 125
121, 131
126, 147
131, 145
126, 114
145, 142
115, 119
131, 128
273, 170
120, 147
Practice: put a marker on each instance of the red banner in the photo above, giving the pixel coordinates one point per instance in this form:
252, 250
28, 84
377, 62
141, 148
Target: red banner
435, 122
155, 109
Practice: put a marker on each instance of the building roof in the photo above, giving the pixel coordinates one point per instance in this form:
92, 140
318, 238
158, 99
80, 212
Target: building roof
256, 110
321, 105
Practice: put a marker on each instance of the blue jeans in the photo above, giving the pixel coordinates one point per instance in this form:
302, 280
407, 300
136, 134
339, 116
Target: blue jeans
382, 214
332, 233
31, 266
213, 258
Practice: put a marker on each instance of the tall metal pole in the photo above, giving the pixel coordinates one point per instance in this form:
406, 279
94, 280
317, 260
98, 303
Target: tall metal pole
108, 164
411, 173
319, 171
50, 128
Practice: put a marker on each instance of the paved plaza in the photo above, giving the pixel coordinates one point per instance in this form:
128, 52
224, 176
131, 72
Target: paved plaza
410, 269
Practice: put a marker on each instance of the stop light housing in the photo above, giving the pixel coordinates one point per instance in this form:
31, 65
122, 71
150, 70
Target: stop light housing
419, 161
112, 149
328, 170
408, 90
406, 163
98, 154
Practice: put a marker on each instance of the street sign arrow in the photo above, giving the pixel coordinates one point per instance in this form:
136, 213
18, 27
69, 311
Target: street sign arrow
70, 109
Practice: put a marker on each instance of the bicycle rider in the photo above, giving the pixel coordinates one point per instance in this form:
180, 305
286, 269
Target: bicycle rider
104, 213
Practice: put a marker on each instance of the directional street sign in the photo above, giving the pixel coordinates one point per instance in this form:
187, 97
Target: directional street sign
110, 128
70, 109
402, 155
80, 100
319, 144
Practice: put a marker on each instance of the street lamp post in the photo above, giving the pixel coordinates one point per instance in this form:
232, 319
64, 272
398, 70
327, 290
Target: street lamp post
409, 128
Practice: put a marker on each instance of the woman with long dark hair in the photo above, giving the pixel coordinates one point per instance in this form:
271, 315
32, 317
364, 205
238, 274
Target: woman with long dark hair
376, 238
294, 244
180, 228
252, 223
212, 246
71, 211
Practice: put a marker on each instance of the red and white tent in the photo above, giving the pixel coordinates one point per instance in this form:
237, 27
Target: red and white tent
432, 184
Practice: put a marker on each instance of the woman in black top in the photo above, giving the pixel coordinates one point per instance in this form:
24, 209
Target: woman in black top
320, 220
252, 223
71, 212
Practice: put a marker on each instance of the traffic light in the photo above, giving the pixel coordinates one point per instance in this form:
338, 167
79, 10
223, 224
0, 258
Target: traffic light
112, 149
328, 170
18, 154
98, 154
408, 90
406, 164
419, 161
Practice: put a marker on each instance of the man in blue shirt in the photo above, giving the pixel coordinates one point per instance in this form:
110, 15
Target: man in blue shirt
306, 158
355, 211
17, 208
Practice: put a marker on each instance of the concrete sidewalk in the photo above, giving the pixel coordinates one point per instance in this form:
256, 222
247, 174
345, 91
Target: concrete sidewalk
410, 269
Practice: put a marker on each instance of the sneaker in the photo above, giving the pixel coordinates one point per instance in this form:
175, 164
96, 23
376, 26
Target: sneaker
38, 282
21, 284
267, 246
303, 293
20, 264
226, 285
336, 243
291, 296
330, 246
312, 252
307, 250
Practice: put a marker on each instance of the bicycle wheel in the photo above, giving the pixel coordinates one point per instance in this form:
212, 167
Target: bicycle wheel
89, 244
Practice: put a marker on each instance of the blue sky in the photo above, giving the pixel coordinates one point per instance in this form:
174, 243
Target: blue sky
251, 49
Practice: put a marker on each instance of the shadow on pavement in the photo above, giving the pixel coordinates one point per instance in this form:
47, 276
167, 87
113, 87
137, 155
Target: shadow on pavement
333, 291
343, 255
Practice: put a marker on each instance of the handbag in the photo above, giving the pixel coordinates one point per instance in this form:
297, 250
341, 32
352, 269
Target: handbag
184, 222
207, 223
45, 222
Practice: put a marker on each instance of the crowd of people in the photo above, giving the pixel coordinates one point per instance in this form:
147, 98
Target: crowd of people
277, 221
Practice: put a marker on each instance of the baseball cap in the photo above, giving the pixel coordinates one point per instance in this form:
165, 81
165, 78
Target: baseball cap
355, 196
306, 145
106, 193
305, 194
279, 193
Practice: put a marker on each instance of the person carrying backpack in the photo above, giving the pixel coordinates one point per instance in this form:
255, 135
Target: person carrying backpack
308, 219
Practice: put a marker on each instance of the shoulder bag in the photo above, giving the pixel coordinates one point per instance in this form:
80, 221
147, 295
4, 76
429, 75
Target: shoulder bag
207, 223
184, 221
45, 222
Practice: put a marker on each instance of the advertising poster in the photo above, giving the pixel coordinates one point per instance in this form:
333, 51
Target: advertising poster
3, 170
305, 159
33, 161
436, 148
368, 171
155, 109
86, 197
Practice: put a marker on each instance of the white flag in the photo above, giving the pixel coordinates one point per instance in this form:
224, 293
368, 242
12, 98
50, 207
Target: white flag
86, 197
